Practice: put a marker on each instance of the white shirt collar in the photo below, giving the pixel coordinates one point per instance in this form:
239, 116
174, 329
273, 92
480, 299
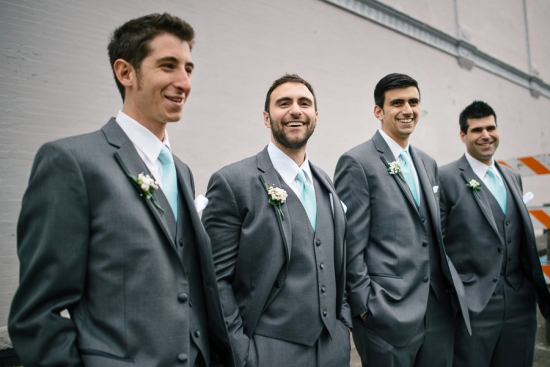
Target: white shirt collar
286, 167
480, 168
395, 148
141, 137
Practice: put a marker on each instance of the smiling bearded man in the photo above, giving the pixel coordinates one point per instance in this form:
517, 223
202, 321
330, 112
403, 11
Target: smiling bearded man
277, 229
401, 288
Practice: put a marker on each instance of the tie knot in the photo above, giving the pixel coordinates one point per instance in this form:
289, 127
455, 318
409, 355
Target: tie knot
404, 155
491, 172
301, 177
165, 155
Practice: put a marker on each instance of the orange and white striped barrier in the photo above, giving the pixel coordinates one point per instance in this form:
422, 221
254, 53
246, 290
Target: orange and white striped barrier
529, 166
546, 272
540, 216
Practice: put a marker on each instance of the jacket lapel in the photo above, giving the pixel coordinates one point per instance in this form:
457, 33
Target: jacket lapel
467, 174
516, 193
132, 165
269, 176
426, 187
386, 158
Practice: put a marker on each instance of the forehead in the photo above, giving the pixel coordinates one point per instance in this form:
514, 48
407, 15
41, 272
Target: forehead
168, 45
292, 91
402, 93
482, 122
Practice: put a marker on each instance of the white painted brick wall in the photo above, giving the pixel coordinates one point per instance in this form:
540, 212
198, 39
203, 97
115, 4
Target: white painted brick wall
55, 81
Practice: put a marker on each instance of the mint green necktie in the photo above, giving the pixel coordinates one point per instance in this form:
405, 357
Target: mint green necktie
408, 174
169, 180
496, 186
307, 197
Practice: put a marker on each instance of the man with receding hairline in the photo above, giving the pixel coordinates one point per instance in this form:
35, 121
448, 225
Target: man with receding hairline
108, 228
401, 286
490, 239
277, 229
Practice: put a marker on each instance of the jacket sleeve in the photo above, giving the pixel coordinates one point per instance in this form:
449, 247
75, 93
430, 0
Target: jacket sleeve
52, 245
352, 187
223, 224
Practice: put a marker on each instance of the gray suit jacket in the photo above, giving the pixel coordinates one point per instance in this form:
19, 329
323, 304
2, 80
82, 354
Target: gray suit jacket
89, 242
471, 235
252, 245
386, 261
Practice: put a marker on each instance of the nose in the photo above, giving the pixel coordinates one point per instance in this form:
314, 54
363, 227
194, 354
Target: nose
183, 81
485, 134
407, 109
295, 109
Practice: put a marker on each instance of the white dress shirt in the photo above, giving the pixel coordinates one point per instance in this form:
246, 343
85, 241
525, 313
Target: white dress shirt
288, 169
396, 149
480, 169
147, 144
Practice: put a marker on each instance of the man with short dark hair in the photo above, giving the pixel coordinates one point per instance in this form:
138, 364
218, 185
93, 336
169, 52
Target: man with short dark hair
401, 286
490, 239
277, 229
108, 228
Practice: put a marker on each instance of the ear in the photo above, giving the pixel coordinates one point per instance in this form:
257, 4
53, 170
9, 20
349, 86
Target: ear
378, 112
462, 136
316, 117
267, 122
125, 73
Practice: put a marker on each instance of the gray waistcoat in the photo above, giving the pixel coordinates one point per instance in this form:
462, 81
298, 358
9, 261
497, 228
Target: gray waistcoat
510, 230
190, 294
306, 302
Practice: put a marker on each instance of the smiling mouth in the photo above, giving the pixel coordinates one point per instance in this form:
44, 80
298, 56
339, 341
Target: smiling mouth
295, 124
486, 144
175, 99
406, 121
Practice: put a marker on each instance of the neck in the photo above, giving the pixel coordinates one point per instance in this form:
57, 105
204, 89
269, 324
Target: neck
402, 141
297, 155
158, 129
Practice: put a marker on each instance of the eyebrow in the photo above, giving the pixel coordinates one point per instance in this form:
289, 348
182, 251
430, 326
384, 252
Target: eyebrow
401, 100
174, 59
289, 99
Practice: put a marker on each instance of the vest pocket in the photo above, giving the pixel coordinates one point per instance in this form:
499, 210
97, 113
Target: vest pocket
93, 357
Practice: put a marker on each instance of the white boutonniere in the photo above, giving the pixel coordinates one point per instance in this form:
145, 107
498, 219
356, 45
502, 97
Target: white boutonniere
147, 185
277, 197
475, 186
394, 169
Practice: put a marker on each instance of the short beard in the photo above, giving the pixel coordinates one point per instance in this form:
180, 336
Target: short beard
281, 138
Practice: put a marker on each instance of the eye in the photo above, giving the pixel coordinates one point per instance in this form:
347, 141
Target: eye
167, 66
189, 71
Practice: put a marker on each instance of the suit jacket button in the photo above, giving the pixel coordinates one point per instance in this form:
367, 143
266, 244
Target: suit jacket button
322, 266
509, 240
318, 242
426, 279
183, 297
278, 284
325, 313
197, 334
323, 289
182, 357
495, 279
499, 249
424, 244
507, 223
423, 219
181, 242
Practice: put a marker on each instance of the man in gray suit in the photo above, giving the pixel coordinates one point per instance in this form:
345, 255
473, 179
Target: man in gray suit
490, 239
401, 286
127, 256
277, 229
